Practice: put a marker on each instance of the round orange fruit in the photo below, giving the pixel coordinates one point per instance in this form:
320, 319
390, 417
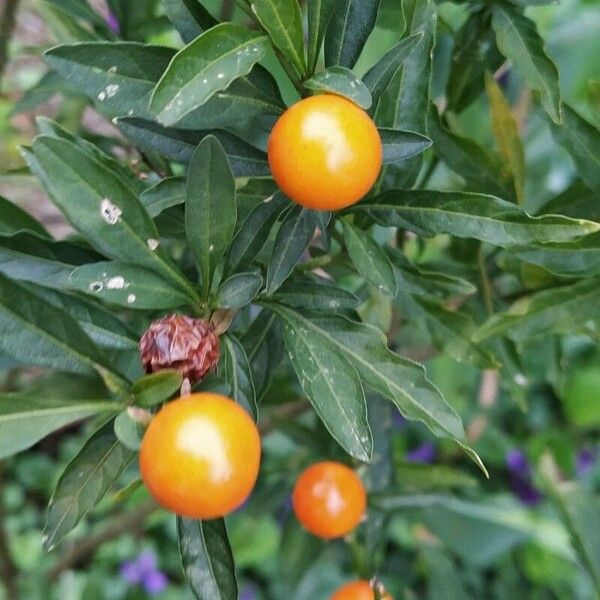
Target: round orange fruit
357, 590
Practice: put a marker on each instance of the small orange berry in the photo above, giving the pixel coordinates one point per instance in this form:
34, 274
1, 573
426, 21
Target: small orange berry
325, 152
357, 590
329, 499
200, 456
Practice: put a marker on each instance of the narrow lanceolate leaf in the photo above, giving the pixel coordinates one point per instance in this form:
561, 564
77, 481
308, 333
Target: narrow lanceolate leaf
350, 26
330, 382
210, 209
519, 41
239, 290
84, 483
38, 333
102, 207
153, 389
282, 20
204, 67
165, 194
381, 74
189, 17
582, 140
319, 14
507, 135
25, 420
312, 293
558, 310
401, 380
124, 284
342, 82
180, 144
254, 232
402, 145
117, 76
369, 259
14, 219
207, 559
468, 215
235, 368
293, 237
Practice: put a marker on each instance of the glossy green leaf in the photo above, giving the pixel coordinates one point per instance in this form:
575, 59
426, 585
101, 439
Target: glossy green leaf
210, 209
207, 559
312, 293
165, 194
577, 201
14, 219
349, 27
235, 369
156, 388
342, 82
25, 420
319, 14
282, 20
179, 145
204, 67
402, 145
369, 259
128, 431
189, 17
124, 284
84, 482
469, 215
117, 76
582, 140
292, 239
519, 41
239, 290
507, 135
380, 75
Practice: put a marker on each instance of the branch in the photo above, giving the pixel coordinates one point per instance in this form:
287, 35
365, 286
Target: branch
8, 20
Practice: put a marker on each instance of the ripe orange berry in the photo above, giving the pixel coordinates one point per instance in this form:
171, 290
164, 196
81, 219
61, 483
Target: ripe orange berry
329, 499
325, 152
357, 590
200, 456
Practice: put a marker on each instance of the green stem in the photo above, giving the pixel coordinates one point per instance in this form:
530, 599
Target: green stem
486, 286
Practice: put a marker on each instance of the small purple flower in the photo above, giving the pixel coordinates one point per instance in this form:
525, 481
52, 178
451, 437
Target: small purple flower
113, 23
143, 571
398, 421
131, 572
521, 480
155, 582
586, 461
425, 453
249, 592
518, 463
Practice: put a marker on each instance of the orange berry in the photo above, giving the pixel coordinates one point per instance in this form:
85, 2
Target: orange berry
357, 590
200, 456
325, 152
329, 499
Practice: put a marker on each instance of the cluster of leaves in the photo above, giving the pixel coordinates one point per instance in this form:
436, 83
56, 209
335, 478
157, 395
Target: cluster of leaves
197, 225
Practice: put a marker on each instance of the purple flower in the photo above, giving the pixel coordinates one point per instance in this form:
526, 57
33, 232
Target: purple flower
248, 593
143, 571
155, 582
398, 421
521, 480
586, 461
518, 463
130, 572
113, 23
425, 453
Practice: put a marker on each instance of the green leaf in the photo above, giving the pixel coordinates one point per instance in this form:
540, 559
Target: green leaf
14, 219
239, 290
577, 201
293, 237
507, 135
399, 379
180, 144
84, 482
319, 14
128, 432
349, 27
207, 559
253, 234
124, 284
342, 82
282, 20
189, 17
330, 382
165, 194
235, 367
558, 310
519, 41
582, 140
117, 76
380, 75
369, 259
204, 67
210, 209
156, 388
420, 477
469, 215
102, 207
401, 145
25, 420
312, 293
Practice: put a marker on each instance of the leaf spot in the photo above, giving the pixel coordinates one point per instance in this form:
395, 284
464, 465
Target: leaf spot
110, 212
131, 298
96, 286
116, 283
153, 244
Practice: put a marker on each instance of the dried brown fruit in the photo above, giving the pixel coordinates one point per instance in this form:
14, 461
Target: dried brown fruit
178, 342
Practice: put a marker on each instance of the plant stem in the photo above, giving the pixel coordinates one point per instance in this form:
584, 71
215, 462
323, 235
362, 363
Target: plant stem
8, 19
486, 286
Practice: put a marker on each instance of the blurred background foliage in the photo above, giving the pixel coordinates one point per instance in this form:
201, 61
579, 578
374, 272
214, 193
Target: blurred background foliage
459, 536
